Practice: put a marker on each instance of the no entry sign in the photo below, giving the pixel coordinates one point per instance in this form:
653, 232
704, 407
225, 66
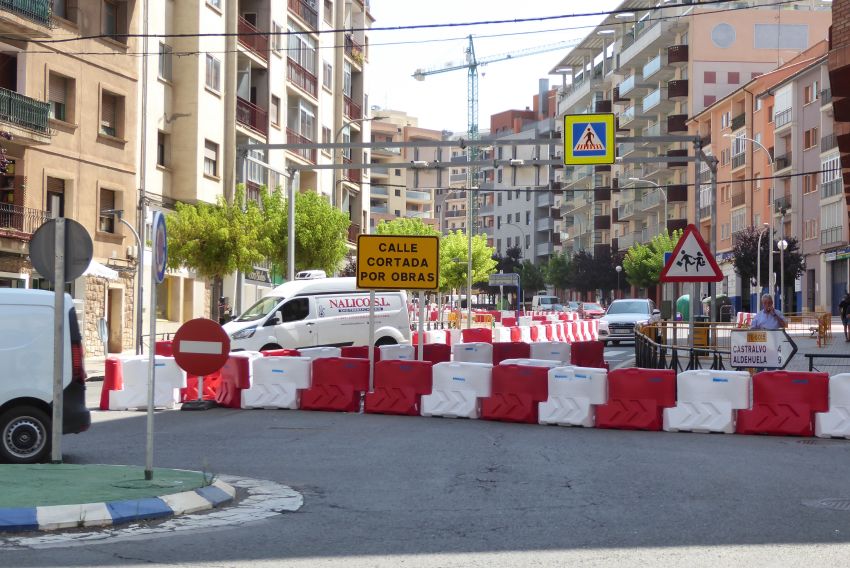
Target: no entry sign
201, 347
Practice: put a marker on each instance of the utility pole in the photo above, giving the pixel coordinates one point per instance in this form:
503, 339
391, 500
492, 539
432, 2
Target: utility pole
142, 209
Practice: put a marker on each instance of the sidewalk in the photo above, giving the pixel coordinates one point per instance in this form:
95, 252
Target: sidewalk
57, 496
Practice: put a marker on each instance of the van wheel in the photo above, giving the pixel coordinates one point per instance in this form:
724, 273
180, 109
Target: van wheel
270, 347
24, 435
615, 342
385, 341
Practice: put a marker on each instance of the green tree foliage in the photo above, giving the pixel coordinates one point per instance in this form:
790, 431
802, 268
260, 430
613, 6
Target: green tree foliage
405, 226
557, 270
583, 271
531, 277
454, 245
643, 263
745, 261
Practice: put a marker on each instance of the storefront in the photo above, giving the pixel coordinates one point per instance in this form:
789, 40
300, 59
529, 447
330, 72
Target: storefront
837, 261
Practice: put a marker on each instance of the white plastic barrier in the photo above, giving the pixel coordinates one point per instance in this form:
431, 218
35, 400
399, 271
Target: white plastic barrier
457, 388
401, 351
454, 336
436, 336
320, 352
551, 350
277, 382
134, 395
477, 352
541, 333
525, 321
574, 392
501, 334
532, 362
836, 422
706, 401
525, 334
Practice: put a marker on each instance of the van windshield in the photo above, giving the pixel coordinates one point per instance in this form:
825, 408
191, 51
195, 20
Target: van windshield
261, 309
548, 300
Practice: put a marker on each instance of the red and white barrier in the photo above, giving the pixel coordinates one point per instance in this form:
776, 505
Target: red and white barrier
456, 390
744, 319
574, 393
277, 382
707, 401
836, 422
133, 394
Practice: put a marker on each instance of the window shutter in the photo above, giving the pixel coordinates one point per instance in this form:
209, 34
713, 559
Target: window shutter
57, 89
107, 112
55, 185
107, 199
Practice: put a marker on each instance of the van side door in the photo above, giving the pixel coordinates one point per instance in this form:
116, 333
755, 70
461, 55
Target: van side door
297, 327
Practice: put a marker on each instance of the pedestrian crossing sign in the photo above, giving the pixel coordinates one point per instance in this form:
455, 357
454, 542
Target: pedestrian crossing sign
589, 139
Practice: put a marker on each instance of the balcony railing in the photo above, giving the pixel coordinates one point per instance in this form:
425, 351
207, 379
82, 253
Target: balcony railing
455, 214
353, 231
545, 199
831, 188
379, 190
418, 195
783, 203
738, 199
252, 116
677, 123
782, 118
306, 12
830, 236
828, 142
652, 100
739, 160
783, 161
250, 37
705, 212
37, 11
293, 137
354, 175
652, 67
677, 54
353, 49
739, 121
20, 223
350, 109
677, 89
825, 96
627, 85
417, 214
627, 116
378, 208
24, 112
302, 78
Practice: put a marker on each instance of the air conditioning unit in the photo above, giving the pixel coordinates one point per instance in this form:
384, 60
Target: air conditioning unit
310, 275
133, 251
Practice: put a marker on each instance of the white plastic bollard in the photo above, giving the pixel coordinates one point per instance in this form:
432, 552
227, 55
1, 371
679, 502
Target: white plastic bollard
277, 382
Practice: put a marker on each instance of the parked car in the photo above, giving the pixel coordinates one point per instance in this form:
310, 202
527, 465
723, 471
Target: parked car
592, 310
26, 383
573, 306
623, 315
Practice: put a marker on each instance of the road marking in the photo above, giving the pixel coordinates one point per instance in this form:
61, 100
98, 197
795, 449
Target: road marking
614, 353
202, 347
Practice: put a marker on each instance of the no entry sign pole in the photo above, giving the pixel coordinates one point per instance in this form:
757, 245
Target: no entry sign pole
159, 257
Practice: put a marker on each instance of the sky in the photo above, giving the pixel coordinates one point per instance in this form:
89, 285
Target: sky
440, 101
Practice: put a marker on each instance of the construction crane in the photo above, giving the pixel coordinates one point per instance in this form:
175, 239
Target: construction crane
471, 64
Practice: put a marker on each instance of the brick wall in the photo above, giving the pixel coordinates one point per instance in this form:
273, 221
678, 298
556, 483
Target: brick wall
839, 79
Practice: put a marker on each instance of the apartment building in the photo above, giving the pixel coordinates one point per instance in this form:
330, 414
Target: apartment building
450, 202
654, 69
780, 124
270, 72
406, 191
70, 110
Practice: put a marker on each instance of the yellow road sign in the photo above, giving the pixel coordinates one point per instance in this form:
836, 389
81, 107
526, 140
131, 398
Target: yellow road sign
396, 262
589, 139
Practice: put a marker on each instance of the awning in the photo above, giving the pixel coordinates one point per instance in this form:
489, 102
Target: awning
101, 271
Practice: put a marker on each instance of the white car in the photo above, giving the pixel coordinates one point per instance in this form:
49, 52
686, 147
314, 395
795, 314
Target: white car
623, 316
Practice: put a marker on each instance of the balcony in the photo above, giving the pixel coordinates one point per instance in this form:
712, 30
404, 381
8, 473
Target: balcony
627, 116
354, 50
252, 116
601, 194
251, 38
574, 94
677, 55
676, 225
652, 36
301, 78
780, 119
652, 100
831, 188
626, 86
626, 210
831, 236
545, 224
783, 204
544, 249
31, 18
455, 214
545, 199
739, 199
677, 123
739, 160
677, 89
353, 175
617, 97
292, 137
413, 195
20, 223
828, 142
653, 67
380, 209
306, 12
825, 97
601, 222
486, 208
739, 121
353, 232
379, 190
625, 242
379, 171
351, 110
602, 106
27, 114
677, 193
783, 161
682, 153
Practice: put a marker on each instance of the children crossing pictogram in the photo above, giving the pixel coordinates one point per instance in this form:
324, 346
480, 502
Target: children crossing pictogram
691, 260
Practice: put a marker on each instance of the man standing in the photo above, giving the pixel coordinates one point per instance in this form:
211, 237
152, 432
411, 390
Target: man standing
768, 317
844, 306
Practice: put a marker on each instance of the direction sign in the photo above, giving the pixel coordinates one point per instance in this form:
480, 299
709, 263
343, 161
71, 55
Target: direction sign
398, 262
589, 139
765, 348
160, 247
78, 250
691, 260
201, 347
509, 279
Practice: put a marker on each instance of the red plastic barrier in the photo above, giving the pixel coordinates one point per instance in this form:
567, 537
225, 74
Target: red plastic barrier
360, 352
588, 354
435, 352
337, 384
784, 403
509, 321
281, 353
517, 390
510, 350
477, 335
497, 315
535, 333
399, 386
235, 377
550, 332
212, 384
164, 348
637, 399
516, 334
113, 379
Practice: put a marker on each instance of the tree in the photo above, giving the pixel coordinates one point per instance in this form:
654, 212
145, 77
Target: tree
557, 271
511, 261
581, 276
531, 277
745, 261
643, 263
405, 226
453, 246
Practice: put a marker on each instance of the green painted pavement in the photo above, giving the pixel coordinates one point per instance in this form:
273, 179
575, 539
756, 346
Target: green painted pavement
70, 484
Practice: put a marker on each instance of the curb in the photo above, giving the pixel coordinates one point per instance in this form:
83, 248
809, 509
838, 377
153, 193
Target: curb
111, 513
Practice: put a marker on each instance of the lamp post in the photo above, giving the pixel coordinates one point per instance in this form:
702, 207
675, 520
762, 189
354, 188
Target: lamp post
783, 244
758, 261
619, 269
772, 201
337, 202
119, 214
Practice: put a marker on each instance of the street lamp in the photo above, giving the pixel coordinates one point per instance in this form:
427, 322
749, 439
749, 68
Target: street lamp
619, 269
119, 214
772, 200
522, 236
758, 260
338, 202
783, 244
660, 189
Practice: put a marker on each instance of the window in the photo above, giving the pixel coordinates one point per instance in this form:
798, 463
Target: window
725, 119
111, 112
739, 144
295, 309
165, 57
810, 229
106, 221
527, 241
58, 96
499, 199
810, 183
527, 217
516, 216
327, 75
499, 176
709, 77
302, 49
759, 102
329, 12
756, 220
115, 20
274, 110
498, 221
708, 100
278, 41
163, 143
738, 220
724, 194
810, 138
499, 246
213, 76
516, 241
770, 113
810, 93
397, 171
346, 79
210, 158
214, 3
510, 195
527, 195
733, 78
326, 138
724, 231
397, 193
55, 197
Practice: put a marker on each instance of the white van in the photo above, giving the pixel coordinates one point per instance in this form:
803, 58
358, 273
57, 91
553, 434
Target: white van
543, 303
26, 382
319, 312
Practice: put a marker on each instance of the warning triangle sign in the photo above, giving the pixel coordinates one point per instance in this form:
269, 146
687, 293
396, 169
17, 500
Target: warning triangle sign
691, 260
590, 140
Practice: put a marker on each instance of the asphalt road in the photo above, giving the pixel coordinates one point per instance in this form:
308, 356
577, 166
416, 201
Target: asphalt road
407, 491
